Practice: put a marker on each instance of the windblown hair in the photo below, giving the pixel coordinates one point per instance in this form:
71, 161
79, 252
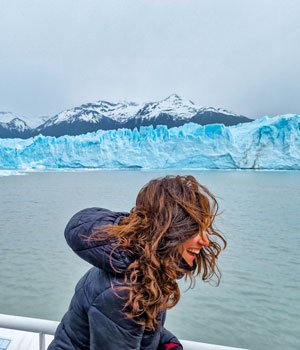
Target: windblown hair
168, 211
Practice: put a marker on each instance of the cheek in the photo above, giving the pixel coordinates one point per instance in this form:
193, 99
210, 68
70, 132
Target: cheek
180, 248
185, 245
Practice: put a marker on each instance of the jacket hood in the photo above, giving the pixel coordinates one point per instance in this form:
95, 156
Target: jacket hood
98, 253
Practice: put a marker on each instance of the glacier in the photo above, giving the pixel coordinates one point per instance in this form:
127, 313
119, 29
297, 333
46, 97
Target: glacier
265, 143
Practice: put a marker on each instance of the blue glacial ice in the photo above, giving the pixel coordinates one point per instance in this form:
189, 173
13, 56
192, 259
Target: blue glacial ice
266, 143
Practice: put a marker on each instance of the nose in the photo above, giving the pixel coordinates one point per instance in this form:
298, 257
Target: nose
203, 239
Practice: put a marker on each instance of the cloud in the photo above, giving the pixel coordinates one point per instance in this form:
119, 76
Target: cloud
239, 55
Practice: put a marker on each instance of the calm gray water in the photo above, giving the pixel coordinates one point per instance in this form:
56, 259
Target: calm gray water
257, 305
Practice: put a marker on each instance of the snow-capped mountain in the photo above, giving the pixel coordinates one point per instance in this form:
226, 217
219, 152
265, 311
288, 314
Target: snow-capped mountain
173, 105
172, 111
89, 117
12, 125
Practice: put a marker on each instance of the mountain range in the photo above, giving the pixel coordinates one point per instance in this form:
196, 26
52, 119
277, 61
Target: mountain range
89, 117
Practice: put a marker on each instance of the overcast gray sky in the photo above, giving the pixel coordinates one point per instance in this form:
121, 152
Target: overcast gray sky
242, 55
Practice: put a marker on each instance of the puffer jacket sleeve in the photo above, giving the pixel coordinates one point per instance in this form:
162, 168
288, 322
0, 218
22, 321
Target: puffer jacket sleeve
109, 328
81, 226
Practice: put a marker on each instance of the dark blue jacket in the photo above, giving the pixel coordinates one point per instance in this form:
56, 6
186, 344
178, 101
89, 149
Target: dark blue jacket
95, 320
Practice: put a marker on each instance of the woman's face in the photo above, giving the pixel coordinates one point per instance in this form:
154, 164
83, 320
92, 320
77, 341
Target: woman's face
191, 247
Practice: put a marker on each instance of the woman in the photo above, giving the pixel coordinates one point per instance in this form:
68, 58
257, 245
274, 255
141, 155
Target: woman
121, 303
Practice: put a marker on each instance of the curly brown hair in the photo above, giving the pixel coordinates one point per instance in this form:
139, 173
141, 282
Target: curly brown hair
168, 211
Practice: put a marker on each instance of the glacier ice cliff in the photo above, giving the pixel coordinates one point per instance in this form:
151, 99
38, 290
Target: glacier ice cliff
266, 143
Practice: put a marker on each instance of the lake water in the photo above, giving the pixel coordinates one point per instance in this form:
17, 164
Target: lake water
257, 305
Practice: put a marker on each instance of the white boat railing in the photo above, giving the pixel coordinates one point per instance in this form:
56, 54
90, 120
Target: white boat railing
43, 327
28, 324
